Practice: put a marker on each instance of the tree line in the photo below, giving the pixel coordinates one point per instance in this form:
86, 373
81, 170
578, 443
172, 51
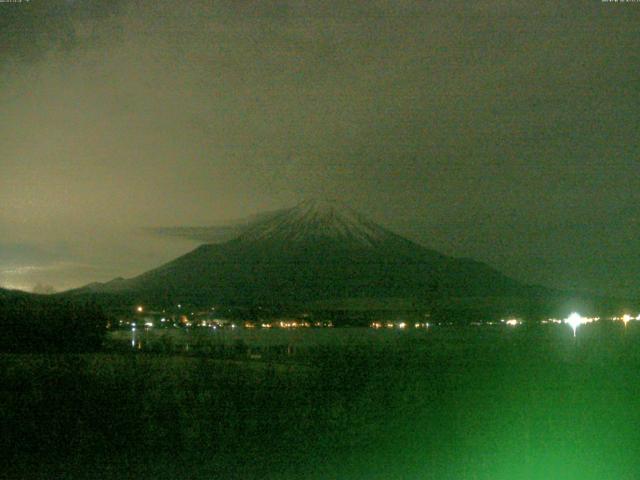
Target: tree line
32, 323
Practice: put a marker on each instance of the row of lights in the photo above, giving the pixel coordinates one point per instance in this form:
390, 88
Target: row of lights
574, 321
400, 325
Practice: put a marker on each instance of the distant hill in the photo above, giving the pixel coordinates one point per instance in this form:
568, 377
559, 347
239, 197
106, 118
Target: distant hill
47, 323
6, 294
317, 253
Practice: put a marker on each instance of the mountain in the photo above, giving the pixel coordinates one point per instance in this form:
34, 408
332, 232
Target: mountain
317, 251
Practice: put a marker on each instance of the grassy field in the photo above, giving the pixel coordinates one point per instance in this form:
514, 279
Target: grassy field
458, 403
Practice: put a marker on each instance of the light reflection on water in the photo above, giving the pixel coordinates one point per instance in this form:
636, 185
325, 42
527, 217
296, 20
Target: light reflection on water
280, 343
198, 339
252, 343
136, 341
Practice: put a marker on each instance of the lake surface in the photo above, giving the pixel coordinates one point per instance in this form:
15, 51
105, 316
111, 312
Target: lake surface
605, 339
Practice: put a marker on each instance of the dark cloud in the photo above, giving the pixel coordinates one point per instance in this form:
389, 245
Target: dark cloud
503, 131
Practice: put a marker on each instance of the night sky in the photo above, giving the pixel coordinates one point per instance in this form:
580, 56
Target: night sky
505, 131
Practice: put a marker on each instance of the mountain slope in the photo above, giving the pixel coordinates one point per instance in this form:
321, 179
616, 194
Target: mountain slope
313, 251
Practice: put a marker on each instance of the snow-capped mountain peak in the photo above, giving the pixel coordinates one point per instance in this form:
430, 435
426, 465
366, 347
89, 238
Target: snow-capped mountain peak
314, 220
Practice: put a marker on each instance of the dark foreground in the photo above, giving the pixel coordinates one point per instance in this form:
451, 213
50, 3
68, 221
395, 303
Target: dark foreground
501, 404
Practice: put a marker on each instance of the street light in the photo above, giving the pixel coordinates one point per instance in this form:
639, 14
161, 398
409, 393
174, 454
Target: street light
574, 321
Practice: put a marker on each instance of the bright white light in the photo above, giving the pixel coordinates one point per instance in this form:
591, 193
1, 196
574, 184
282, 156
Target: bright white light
626, 318
574, 321
139, 309
512, 322
402, 325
